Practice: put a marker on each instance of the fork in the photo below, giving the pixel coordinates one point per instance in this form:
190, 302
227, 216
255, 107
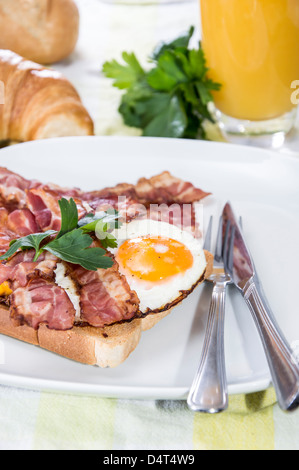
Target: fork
208, 392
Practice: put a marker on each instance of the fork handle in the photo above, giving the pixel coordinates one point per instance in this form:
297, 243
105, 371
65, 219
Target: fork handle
282, 363
208, 392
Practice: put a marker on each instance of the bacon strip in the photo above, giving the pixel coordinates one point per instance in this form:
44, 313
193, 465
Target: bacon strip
21, 268
43, 203
36, 298
182, 217
13, 189
14, 225
22, 222
163, 188
166, 188
126, 205
105, 296
42, 301
6, 235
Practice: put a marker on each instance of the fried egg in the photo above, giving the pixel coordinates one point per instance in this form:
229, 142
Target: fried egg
159, 260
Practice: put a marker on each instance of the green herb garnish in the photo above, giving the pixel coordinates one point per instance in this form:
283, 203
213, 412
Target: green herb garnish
28, 243
171, 98
102, 223
73, 242
69, 216
74, 247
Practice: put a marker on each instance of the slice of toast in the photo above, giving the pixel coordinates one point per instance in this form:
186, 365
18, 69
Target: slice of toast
103, 347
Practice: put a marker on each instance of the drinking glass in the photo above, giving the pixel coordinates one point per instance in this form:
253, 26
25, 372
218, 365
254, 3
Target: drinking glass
252, 50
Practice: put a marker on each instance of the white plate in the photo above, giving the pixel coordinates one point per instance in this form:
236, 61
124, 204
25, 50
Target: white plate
262, 186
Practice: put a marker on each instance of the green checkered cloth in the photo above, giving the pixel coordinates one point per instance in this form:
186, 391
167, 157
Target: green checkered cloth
35, 420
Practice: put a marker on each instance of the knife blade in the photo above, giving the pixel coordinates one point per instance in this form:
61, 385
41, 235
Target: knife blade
240, 265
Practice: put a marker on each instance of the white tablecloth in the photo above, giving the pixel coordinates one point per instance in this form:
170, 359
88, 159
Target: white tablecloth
110, 27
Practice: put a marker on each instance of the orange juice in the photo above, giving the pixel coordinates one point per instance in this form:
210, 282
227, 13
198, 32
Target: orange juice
252, 49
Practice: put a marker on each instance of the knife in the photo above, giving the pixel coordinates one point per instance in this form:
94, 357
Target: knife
239, 264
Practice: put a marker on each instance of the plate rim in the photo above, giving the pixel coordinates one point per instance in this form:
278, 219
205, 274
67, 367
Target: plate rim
292, 156
123, 391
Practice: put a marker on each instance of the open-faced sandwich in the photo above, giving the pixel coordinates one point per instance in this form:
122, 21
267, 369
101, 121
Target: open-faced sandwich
82, 274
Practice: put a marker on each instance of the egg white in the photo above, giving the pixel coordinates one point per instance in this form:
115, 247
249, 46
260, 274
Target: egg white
156, 295
65, 282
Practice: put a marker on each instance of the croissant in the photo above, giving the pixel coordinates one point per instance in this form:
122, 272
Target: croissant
38, 103
45, 31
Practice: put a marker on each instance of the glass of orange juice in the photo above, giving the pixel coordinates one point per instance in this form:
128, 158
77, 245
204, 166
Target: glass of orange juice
252, 49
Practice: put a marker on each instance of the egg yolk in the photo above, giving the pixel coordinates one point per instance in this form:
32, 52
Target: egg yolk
5, 290
155, 258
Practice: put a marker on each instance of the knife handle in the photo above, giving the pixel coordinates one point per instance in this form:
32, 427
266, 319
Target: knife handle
283, 367
208, 392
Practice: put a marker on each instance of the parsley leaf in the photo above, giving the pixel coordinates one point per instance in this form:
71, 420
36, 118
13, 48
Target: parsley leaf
110, 217
167, 74
171, 120
124, 75
69, 216
102, 223
73, 247
172, 98
181, 41
72, 243
29, 242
